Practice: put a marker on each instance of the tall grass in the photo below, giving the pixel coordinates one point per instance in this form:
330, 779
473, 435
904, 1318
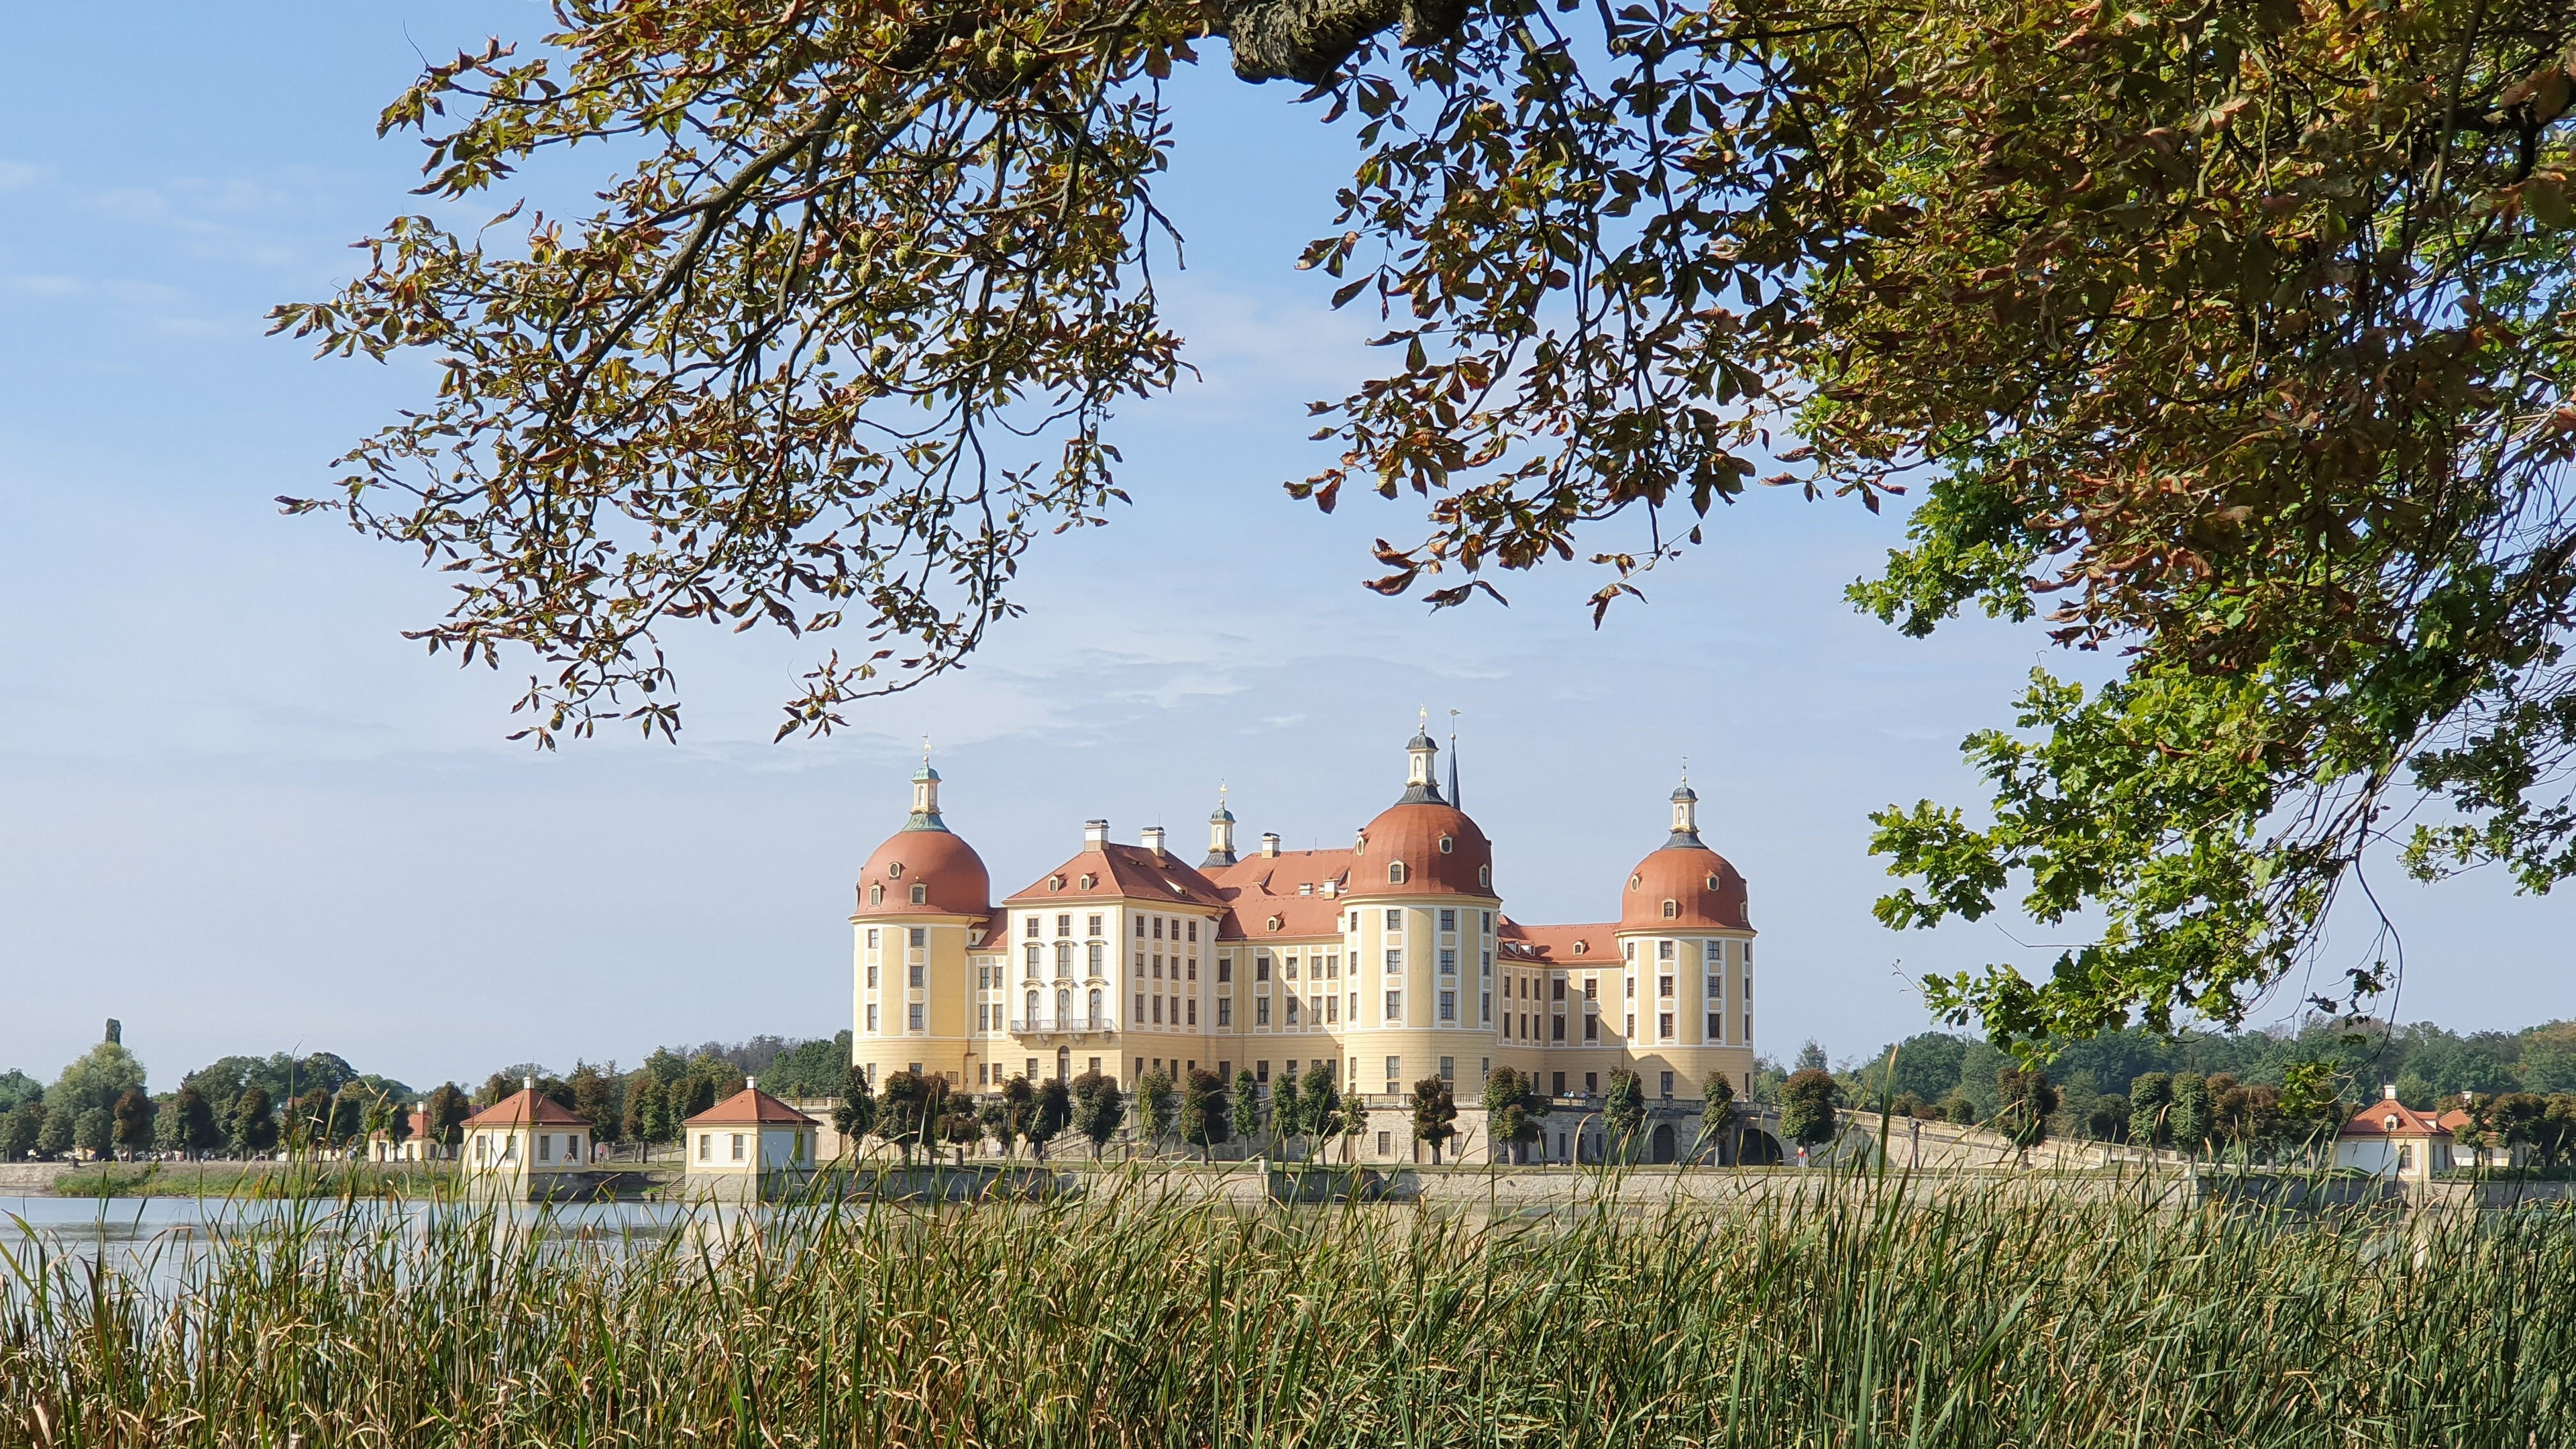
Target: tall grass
1846, 1318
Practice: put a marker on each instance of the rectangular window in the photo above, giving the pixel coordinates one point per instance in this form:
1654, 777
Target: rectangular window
1592, 988
1748, 988
1668, 1084
1748, 1029
1292, 1011
1489, 963
1395, 960
1448, 1006
1194, 930
1158, 928
1663, 950
737, 1147
1628, 951
1091, 925
1630, 1030
1029, 928
872, 1017
545, 1147
1448, 1069
1664, 987
1448, 962
920, 937
1261, 1011
1261, 967
1224, 968
1194, 1011
1194, 968
1385, 1144
913, 1012
1556, 1088
1591, 1027
1632, 988
1557, 1031
1064, 925
1158, 968
1664, 1027
1748, 955
1716, 1028
1140, 1007
1158, 1011
1559, 992
872, 938
1394, 1075
1448, 920
1489, 922
1395, 920
1355, 1008
1395, 1006
1225, 1011
1716, 989
1099, 957
1140, 928
1487, 1010
872, 976
706, 1146
1712, 954
916, 973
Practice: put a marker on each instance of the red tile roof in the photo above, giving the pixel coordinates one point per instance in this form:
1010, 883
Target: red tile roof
1287, 888
1705, 892
525, 1106
2392, 1118
1555, 945
953, 875
1414, 834
748, 1107
1115, 871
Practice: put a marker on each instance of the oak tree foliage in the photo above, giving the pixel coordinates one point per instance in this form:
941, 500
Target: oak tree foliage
2223, 339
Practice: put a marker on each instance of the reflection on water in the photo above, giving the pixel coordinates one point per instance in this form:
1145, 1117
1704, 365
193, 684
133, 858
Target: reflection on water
154, 1240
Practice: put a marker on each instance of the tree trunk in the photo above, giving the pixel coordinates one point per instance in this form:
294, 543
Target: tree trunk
1307, 40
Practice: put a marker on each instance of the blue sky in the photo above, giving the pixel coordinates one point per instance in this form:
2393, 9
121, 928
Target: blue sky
242, 814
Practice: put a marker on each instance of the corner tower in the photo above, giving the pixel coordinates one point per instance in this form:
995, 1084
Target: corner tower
924, 906
1419, 932
1686, 951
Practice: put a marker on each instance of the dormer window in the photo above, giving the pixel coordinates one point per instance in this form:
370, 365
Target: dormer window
876, 895
1395, 872
1672, 910
1712, 882
1582, 948
1088, 881
2389, 1122
895, 871
1274, 923
1055, 882
1635, 881
1485, 876
1447, 845
921, 895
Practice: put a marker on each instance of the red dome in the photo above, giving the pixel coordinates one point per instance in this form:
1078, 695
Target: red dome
1706, 892
1442, 851
948, 870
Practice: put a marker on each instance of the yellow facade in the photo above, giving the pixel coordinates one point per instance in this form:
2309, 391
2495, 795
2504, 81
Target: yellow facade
1123, 960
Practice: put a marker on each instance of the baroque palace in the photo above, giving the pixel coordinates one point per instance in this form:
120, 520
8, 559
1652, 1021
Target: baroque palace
1393, 960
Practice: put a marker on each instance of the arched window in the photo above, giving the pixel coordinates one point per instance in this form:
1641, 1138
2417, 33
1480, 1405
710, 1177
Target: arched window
1447, 845
876, 895
920, 895
1485, 876
1672, 910
1095, 1006
1063, 1007
1395, 872
1088, 881
1031, 1020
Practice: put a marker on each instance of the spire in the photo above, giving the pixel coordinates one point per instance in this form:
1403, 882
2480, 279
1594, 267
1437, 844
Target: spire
1421, 780
1220, 833
1685, 834
1454, 797
925, 795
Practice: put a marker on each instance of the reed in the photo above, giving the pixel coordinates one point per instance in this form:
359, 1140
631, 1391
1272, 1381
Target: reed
1147, 1314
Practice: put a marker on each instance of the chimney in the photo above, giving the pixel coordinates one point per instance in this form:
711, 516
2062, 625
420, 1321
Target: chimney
115, 1031
1153, 838
2388, 1092
1270, 842
2468, 1101
527, 1084
1095, 834
751, 1084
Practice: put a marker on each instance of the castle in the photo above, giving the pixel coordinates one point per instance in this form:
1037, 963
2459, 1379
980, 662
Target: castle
1392, 960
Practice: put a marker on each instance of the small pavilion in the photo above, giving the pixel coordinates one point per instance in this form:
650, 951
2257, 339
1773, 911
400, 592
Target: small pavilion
524, 1141
2390, 1139
749, 1145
